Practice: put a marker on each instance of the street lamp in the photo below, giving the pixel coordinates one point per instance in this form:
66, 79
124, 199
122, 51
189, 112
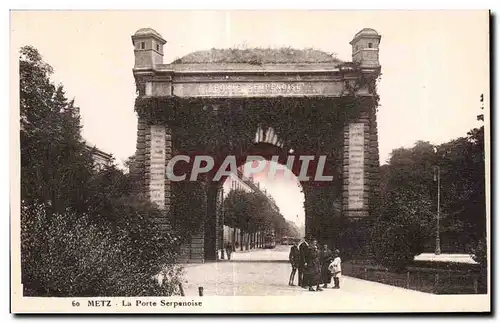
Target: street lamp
437, 177
222, 220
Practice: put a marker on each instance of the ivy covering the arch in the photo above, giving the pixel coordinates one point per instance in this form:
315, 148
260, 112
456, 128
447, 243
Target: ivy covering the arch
227, 126
221, 126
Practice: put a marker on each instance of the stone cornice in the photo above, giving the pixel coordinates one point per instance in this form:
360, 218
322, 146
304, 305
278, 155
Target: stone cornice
249, 69
235, 79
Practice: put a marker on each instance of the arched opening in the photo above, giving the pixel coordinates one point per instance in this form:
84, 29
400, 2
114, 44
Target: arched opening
307, 202
263, 208
239, 128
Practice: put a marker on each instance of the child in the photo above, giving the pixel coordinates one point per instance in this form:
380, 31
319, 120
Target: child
336, 269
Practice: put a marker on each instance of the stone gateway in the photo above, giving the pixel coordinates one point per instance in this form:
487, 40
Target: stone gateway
315, 105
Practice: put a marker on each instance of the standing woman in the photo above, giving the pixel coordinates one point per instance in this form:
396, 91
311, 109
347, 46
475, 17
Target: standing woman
314, 267
326, 257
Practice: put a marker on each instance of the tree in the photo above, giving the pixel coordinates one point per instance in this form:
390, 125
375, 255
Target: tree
406, 221
409, 191
130, 164
463, 189
83, 232
253, 212
54, 161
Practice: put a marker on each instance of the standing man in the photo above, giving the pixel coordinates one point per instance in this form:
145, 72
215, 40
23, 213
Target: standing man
313, 266
303, 255
294, 261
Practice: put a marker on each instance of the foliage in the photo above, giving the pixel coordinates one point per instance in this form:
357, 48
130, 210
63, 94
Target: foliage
82, 230
354, 238
228, 126
406, 220
462, 184
130, 164
219, 127
480, 253
54, 161
258, 56
79, 258
401, 232
189, 206
252, 212
409, 186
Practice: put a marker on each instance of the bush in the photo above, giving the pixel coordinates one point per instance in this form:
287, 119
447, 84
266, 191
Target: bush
116, 248
354, 240
405, 225
480, 253
71, 256
392, 246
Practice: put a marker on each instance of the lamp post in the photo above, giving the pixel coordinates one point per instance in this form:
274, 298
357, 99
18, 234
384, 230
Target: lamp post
222, 220
437, 177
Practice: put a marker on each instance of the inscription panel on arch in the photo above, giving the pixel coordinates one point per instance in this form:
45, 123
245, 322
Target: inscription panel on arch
157, 166
257, 89
356, 150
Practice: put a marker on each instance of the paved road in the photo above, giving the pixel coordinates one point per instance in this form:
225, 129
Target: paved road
265, 272
280, 253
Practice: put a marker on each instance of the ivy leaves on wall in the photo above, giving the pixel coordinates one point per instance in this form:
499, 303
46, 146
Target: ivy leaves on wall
311, 125
227, 126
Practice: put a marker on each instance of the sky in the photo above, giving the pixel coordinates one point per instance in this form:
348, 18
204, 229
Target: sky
435, 65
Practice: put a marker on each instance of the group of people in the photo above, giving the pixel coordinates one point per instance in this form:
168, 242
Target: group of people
315, 266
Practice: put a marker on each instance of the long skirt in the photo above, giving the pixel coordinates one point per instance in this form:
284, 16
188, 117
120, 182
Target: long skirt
326, 275
314, 275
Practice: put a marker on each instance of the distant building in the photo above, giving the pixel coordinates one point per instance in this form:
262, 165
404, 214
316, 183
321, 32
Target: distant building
241, 182
101, 159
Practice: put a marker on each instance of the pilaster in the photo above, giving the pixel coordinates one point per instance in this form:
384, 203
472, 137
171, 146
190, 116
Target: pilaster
357, 166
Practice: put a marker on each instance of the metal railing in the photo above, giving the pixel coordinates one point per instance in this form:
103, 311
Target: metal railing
429, 280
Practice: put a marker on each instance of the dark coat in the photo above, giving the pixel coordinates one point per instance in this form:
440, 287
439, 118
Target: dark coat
313, 266
294, 256
326, 257
303, 251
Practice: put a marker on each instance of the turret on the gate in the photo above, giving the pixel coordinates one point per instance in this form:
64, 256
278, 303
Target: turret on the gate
365, 48
148, 48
